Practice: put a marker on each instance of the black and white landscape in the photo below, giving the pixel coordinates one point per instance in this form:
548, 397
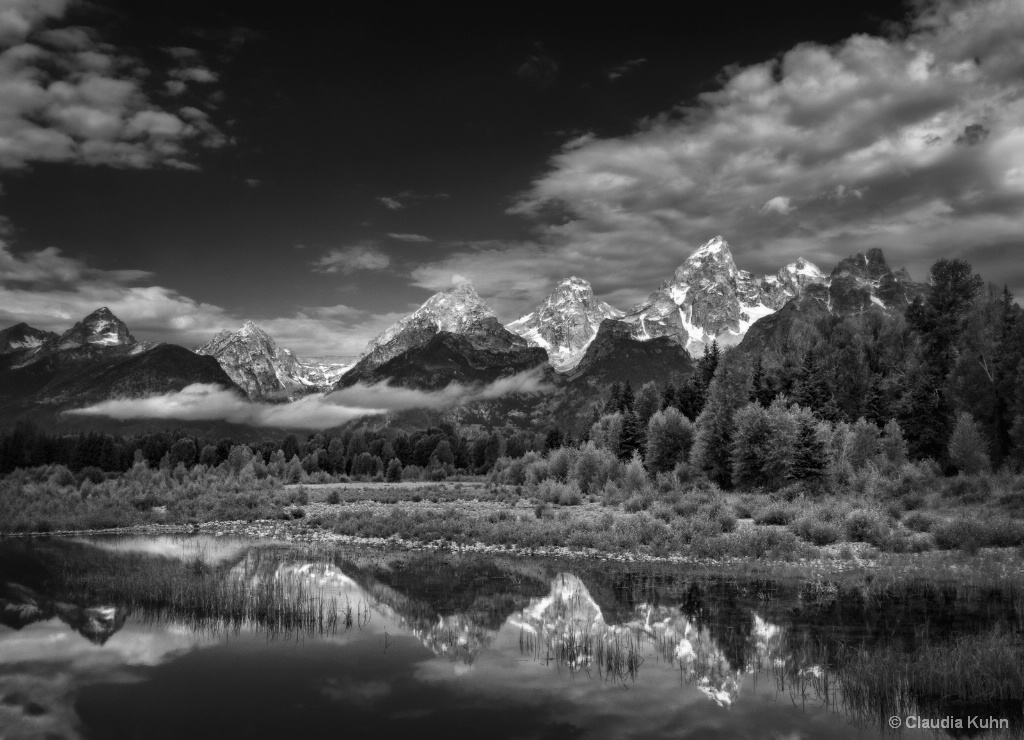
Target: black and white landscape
516, 370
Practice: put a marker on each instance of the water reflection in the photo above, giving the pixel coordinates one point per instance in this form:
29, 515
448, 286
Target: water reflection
174, 636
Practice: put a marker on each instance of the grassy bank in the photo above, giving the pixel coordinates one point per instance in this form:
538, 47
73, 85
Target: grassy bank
913, 513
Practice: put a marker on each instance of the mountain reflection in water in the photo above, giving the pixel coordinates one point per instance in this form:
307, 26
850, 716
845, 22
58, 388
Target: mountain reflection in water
175, 637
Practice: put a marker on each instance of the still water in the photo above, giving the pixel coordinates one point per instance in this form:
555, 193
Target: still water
365, 643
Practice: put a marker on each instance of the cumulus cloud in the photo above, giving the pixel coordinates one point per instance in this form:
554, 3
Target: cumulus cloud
779, 204
912, 142
210, 402
352, 259
65, 96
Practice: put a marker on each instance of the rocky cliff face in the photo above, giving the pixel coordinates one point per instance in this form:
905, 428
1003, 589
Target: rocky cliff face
864, 281
709, 298
459, 311
101, 327
252, 359
483, 355
616, 355
22, 336
566, 322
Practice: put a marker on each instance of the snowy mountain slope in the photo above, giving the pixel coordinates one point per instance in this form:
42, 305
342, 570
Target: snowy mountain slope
565, 323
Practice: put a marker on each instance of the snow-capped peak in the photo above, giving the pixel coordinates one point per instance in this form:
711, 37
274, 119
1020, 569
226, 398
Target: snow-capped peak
100, 327
566, 322
709, 298
459, 310
253, 360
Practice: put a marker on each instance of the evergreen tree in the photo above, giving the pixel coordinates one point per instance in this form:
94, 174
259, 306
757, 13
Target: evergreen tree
968, 448
763, 446
924, 418
634, 436
668, 396
627, 398
614, 402
553, 439
809, 454
729, 391
647, 402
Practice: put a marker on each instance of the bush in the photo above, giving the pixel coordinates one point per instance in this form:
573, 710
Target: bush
775, 513
816, 531
919, 521
972, 534
333, 497
867, 525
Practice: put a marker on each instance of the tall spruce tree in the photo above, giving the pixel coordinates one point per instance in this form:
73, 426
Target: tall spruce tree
728, 392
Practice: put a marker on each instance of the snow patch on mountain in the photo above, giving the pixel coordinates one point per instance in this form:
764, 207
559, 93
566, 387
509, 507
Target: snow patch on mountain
459, 311
710, 299
566, 322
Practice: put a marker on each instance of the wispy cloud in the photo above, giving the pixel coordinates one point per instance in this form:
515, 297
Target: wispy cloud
210, 402
618, 71
410, 237
392, 204
352, 259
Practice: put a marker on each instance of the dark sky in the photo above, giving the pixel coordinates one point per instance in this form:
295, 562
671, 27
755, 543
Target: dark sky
323, 169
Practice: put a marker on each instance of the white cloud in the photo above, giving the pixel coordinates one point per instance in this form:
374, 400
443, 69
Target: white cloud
208, 402
779, 204
65, 96
410, 237
912, 142
391, 204
352, 259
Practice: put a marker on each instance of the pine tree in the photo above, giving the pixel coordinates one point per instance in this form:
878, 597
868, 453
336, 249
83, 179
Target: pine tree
627, 398
634, 436
809, 456
968, 448
728, 392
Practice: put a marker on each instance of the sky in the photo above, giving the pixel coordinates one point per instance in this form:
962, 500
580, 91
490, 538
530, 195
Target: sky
323, 170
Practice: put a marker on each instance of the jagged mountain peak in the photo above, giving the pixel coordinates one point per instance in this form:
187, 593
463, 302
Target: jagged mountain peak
710, 298
566, 322
100, 327
459, 310
22, 336
254, 361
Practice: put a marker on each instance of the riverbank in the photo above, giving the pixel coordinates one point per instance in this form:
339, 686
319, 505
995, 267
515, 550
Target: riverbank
371, 523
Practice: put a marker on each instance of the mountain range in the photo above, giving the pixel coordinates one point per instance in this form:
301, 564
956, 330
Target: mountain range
578, 342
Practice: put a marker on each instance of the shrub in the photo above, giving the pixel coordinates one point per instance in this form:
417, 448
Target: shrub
972, 534
867, 525
919, 521
816, 531
775, 513
333, 497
